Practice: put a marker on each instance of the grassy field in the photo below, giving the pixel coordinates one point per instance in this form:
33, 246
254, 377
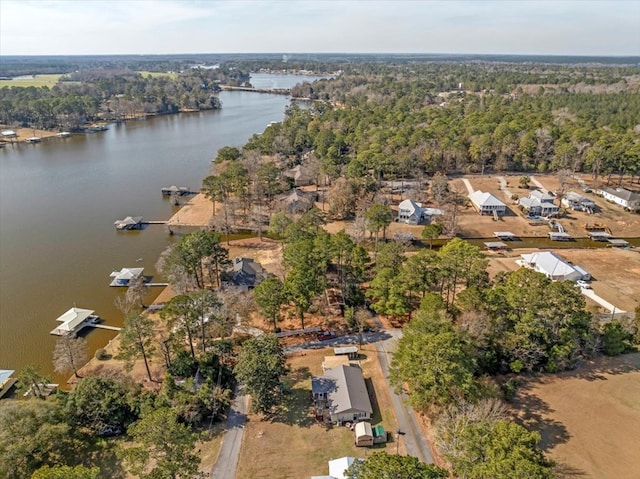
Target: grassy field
292, 444
171, 75
589, 418
35, 80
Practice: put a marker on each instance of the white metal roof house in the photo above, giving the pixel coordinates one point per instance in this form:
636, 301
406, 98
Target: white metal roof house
623, 197
413, 213
487, 204
552, 266
342, 394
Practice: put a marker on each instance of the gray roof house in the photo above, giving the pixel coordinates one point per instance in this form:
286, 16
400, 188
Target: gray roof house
538, 203
413, 213
341, 395
300, 176
623, 197
246, 274
487, 204
298, 201
577, 202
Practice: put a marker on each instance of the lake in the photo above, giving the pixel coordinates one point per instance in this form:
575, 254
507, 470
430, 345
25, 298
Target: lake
59, 199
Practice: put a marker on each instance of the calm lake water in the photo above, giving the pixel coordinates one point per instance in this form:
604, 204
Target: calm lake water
59, 199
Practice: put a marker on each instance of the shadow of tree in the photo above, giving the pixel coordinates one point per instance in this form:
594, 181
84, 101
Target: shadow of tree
565, 471
295, 407
104, 456
534, 415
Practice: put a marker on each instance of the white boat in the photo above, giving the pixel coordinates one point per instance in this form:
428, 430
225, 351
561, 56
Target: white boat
33, 139
63, 134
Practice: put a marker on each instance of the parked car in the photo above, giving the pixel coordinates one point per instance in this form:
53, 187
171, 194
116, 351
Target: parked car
108, 431
325, 335
583, 284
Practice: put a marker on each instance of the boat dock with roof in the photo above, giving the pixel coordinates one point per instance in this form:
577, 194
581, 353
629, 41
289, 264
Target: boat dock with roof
6, 381
134, 223
505, 235
76, 319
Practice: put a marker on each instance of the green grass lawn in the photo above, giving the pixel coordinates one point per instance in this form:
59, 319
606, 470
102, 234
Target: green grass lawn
36, 80
172, 75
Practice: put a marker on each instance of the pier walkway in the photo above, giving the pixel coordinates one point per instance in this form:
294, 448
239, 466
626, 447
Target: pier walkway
104, 326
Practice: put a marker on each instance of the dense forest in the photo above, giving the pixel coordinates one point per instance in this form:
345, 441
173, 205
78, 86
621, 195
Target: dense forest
403, 121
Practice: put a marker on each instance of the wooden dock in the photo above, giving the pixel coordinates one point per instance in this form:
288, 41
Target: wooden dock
156, 284
154, 222
105, 326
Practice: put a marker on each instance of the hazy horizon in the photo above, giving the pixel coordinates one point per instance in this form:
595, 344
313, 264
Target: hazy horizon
155, 27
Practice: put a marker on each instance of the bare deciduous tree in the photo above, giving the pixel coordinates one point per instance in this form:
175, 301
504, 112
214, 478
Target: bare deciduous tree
70, 354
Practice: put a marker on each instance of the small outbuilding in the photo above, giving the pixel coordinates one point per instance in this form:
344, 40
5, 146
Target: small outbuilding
350, 351
379, 434
364, 434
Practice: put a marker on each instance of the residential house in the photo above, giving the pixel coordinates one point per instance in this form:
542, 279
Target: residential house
487, 204
300, 176
552, 266
341, 395
413, 213
538, 203
623, 197
246, 274
577, 202
298, 201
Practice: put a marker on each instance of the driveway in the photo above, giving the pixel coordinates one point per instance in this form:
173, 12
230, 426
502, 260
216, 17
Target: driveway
414, 441
225, 466
589, 293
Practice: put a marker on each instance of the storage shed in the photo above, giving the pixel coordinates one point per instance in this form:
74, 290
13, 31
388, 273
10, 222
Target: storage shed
379, 434
364, 434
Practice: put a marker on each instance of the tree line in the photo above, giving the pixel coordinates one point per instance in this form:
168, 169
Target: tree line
94, 95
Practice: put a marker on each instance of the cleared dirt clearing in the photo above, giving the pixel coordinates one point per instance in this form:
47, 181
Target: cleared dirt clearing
589, 419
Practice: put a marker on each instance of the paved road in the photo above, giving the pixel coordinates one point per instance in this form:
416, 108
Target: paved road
414, 441
225, 467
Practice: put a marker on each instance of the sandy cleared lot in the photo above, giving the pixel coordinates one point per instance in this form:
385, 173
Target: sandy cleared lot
621, 223
615, 272
589, 419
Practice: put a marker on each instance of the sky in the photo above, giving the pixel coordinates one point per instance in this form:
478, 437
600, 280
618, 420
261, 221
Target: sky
556, 27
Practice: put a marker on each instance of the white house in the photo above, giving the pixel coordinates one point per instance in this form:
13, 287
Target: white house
413, 213
577, 202
623, 197
487, 204
538, 203
552, 266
